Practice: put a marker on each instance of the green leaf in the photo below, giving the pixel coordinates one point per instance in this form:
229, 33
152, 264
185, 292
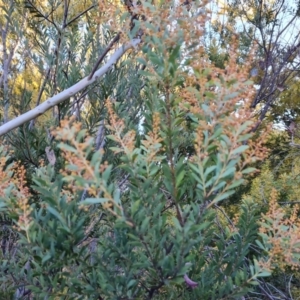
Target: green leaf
195, 168
222, 196
156, 60
112, 137
131, 283
174, 54
243, 127
209, 170
179, 178
177, 280
261, 246
72, 167
176, 223
235, 184
106, 173
116, 149
217, 133
67, 147
228, 172
239, 150
91, 201
46, 258
264, 274
244, 137
145, 224
55, 213
249, 170
135, 206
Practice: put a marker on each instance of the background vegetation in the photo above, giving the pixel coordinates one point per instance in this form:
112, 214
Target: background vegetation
149, 149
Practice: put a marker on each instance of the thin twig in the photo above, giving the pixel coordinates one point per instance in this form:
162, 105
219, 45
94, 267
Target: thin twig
79, 15
100, 59
90, 228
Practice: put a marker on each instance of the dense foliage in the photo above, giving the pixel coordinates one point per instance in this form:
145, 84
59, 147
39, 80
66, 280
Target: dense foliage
132, 163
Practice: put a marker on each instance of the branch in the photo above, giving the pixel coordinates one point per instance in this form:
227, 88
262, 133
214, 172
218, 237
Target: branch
42, 15
79, 15
115, 39
100, 137
66, 94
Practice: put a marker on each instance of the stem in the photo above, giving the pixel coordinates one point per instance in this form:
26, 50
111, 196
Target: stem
171, 154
